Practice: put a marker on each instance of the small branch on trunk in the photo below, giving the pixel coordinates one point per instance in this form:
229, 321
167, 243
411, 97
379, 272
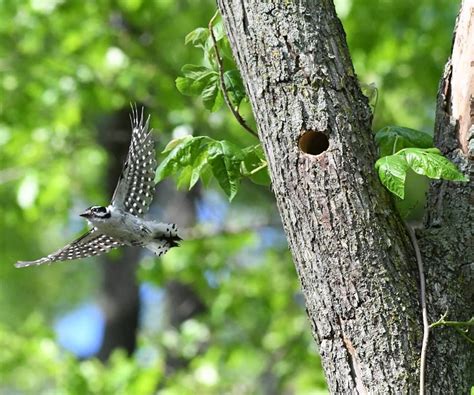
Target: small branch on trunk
459, 326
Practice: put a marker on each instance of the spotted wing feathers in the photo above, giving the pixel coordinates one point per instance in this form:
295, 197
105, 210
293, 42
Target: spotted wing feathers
90, 244
135, 188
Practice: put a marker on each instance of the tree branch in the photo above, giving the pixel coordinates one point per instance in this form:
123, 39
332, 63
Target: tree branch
225, 94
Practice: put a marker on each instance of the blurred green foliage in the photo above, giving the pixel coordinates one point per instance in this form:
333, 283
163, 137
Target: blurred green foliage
67, 65
32, 363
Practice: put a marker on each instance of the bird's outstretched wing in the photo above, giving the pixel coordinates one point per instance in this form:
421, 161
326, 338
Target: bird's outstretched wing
135, 188
90, 244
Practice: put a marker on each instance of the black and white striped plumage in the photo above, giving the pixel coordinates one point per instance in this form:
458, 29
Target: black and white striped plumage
121, 223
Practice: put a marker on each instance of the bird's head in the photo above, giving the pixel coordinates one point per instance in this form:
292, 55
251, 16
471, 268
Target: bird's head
96, 213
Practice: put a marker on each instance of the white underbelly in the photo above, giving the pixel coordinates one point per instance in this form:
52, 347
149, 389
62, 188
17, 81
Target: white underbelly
126, 229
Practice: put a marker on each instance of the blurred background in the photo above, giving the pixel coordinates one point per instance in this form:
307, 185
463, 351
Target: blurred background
222, 314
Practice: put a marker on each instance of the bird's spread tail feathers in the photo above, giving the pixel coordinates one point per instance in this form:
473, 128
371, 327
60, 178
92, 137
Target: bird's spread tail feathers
164, 239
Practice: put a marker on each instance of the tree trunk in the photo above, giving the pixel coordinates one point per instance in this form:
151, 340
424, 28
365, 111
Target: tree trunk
446, 240
352, 254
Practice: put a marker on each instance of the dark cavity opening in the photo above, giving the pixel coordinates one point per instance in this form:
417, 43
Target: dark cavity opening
313, 143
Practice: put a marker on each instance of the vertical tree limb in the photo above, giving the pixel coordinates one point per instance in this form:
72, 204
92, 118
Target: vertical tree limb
447, 239
354, 259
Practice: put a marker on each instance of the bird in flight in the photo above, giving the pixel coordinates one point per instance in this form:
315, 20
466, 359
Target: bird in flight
121, 222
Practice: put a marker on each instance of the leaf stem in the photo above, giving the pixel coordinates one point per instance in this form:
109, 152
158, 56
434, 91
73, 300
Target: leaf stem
256, 170
225, 94
457, 325
442, 322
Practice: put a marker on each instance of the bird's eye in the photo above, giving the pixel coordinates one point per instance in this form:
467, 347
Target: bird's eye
99, 209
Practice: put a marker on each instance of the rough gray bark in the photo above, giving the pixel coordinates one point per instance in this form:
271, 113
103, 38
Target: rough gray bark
355, 262
446, 240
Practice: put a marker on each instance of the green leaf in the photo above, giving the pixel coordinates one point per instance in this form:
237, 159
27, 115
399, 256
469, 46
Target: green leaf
192, 158
211, 95
184, 177
431, 163
218, 29
195, 72
391, 139
183, 154
199, 167
197, 37
175, 142
261, 176
254, 165
226, 53
184, 85
219, 35
206, 176
196, 78
225, 159
234, 85
392, 171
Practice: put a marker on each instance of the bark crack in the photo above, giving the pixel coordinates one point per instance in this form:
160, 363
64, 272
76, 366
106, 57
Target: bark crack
245, 21
354, 364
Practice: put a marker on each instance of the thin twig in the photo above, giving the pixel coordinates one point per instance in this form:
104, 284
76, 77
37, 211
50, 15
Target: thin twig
441, 322
225, 94
457, 325
424, 312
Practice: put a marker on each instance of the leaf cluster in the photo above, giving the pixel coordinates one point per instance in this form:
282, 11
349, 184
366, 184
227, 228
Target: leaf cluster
201, 157
402, 149
203, 80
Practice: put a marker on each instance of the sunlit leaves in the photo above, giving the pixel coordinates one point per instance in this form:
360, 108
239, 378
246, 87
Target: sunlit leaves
234, 86
429, 162
212, 96
254, 165
195, 80
192, 158
402, 149
392, 172
198, 37
203, 80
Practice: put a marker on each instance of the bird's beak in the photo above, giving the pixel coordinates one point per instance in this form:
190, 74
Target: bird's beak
86, 214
